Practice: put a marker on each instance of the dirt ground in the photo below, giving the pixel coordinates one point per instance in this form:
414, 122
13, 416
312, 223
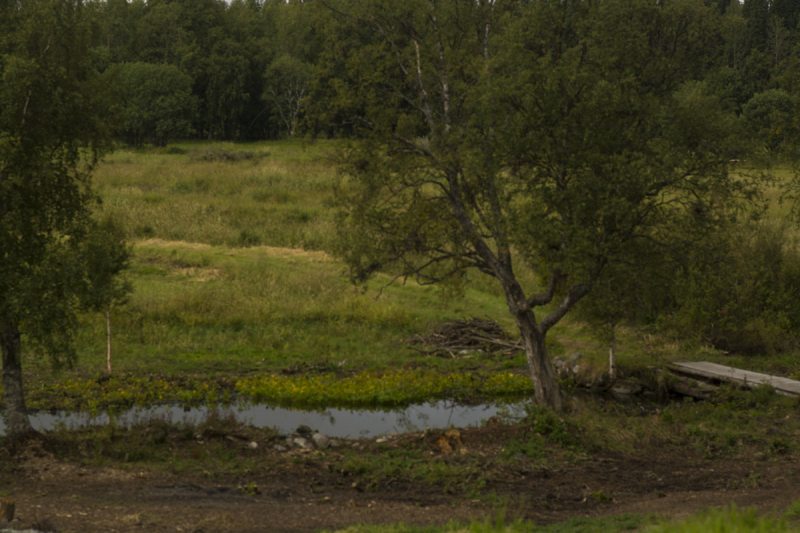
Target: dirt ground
306, 490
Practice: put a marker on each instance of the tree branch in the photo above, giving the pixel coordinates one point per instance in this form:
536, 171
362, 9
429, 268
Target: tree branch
573, 297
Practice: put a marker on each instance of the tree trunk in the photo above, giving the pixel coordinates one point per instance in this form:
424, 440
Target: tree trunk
612, 357
108, 335
17, 422
547, 391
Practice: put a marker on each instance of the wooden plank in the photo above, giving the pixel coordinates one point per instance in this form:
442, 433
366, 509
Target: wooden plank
745, 378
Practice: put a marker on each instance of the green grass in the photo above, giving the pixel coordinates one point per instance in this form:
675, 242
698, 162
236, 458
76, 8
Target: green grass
729, 520
204, 308
230, 271
277, 200
233, 278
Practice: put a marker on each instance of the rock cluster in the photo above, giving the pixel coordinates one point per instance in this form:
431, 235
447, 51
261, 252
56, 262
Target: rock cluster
570, 368
306, 439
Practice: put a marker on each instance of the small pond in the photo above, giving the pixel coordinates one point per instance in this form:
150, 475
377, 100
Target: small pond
340, 423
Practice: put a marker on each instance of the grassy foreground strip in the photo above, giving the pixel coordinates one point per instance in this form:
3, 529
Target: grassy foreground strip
730, 520
365, 389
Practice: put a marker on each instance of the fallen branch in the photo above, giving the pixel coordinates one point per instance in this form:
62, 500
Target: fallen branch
465, 336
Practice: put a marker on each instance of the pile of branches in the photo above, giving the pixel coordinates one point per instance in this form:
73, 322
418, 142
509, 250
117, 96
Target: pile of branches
464, 337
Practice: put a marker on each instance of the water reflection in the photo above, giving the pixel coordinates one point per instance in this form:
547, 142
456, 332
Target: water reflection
341, 423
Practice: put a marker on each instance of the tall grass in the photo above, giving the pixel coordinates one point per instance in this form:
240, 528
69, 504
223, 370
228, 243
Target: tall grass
230, 274
198, 307
276, 200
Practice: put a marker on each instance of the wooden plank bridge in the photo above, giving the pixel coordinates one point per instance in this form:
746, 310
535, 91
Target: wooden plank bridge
744, 378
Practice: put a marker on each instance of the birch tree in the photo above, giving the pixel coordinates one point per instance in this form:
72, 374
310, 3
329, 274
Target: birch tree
552, 134
53, 119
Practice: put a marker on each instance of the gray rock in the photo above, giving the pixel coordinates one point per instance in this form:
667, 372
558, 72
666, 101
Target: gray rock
626, 389
335, 443
300, 442
321, 441
280, 448
577, 356
577, 369
558, 363
253, 445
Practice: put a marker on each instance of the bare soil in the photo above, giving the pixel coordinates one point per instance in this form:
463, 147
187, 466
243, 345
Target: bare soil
56, 488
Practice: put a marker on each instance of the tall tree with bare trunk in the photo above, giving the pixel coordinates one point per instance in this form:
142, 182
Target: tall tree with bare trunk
54, 111
494, 133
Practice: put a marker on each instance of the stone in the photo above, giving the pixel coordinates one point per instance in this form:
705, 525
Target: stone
6, 509
300, 442
577, 356
626, 388
558, 363
336, 443
253, 445
576, 369
280, 448
321, 441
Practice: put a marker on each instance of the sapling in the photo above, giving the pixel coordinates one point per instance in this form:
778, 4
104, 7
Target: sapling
106, 256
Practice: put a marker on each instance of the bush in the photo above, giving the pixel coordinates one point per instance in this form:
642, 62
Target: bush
744, 299
768, 117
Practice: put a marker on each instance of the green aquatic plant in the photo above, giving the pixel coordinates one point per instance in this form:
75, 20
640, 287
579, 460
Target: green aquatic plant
384, 389
365, 389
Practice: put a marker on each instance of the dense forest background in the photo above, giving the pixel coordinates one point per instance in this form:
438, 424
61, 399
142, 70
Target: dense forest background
250, 69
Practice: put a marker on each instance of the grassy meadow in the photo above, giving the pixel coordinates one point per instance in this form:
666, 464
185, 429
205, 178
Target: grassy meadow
233, 277
236, 291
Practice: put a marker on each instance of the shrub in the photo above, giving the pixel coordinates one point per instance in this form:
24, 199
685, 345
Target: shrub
744, 299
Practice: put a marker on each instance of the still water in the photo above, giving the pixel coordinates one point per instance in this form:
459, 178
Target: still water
340, 423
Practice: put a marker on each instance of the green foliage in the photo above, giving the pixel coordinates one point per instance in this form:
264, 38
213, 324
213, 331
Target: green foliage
565, 132
286, 87
157, 100
532, 448
385, 389
769, 119
742, 297
549, 424
226, 93
105, 255
55, 115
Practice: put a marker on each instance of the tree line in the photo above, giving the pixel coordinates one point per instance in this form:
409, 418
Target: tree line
252, 69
